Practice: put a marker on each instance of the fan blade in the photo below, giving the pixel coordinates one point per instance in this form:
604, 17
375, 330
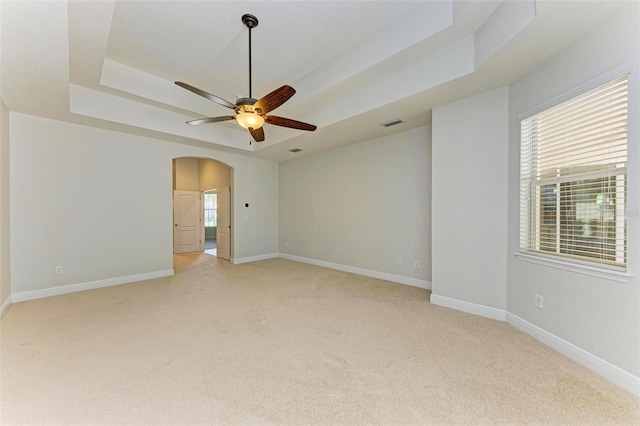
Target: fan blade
274, 99
287, 122
204, 94
211, 119
258, 134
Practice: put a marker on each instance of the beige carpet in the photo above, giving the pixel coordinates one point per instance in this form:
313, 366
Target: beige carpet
279, 342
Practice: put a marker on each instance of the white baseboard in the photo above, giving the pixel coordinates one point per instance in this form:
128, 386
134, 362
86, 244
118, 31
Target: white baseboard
5, 306
72, 288
599, 366
471, 308
240, 260
414, 282
609, 371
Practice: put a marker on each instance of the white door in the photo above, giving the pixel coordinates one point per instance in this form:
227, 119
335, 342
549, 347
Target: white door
223, 231
186, 221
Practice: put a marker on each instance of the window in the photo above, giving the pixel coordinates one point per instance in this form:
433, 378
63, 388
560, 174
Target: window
210, 210
573, 179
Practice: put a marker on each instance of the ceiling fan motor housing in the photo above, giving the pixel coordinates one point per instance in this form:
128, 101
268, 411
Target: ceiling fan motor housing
245, 101
246, 105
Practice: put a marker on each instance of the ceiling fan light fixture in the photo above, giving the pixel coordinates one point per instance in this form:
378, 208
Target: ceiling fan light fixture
250, 120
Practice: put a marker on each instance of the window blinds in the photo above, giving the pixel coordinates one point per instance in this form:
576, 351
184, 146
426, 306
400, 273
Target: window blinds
573, 177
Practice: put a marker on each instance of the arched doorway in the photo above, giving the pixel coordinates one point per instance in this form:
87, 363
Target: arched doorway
193, 225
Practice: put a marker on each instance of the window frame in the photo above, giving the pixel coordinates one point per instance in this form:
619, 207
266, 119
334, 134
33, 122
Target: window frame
581, 266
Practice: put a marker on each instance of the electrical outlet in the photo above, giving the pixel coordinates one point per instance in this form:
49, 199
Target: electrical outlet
538, 301
286, 244
399, 262
416, 264
59, 270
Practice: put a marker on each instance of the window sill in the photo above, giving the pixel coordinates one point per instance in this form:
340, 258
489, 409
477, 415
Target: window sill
607, 274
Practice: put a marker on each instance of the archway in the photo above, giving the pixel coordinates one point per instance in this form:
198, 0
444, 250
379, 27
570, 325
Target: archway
192, 178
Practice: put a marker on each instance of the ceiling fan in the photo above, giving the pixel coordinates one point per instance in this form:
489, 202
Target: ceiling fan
251, 113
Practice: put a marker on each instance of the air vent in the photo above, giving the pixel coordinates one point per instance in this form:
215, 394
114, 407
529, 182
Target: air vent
295, 150
391, 122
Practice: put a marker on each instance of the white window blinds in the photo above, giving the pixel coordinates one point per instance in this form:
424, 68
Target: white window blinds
573, 169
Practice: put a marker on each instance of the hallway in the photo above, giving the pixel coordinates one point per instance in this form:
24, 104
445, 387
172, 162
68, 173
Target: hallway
211, 247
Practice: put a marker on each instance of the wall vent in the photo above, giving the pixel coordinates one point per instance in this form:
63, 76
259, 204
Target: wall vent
295, 150
391, 122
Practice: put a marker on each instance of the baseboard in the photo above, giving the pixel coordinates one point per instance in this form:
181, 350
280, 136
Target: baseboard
5, 306
72, 288
609, 371
240, 260
414, 282
599, 366
471, 308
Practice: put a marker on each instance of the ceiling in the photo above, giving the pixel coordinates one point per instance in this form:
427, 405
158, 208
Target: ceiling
354, 64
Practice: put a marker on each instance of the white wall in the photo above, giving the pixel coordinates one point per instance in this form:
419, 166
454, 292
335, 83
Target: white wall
469, 198
600, 316
5, 274
99, 203
363, 205
256, 225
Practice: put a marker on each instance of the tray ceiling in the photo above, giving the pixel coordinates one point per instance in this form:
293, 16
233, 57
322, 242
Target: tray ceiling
112, 64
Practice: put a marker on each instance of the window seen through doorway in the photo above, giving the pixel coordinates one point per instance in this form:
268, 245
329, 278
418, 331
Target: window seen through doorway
210, 211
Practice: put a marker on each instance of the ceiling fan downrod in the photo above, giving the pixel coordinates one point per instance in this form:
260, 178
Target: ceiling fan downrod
251, 22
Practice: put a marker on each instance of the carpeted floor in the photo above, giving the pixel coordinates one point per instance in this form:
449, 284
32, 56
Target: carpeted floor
279, 342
